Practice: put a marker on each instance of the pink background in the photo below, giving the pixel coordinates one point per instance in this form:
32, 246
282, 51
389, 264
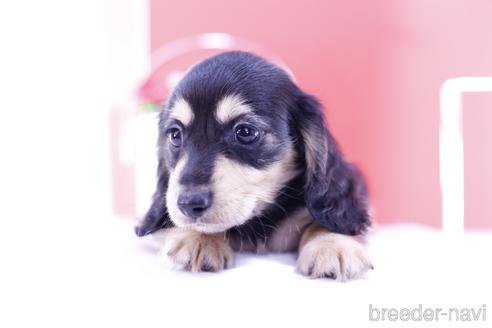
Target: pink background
377, 66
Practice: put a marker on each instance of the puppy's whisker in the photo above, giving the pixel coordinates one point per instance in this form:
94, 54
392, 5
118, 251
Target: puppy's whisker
247, 235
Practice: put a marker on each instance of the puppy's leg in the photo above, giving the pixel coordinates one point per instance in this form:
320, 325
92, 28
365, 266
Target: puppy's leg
194, 251
327, 254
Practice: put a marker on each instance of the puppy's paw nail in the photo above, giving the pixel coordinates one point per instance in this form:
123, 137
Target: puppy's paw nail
207, 268
330, 275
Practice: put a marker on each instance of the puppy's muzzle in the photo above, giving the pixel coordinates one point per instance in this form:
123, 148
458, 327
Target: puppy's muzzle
194, 203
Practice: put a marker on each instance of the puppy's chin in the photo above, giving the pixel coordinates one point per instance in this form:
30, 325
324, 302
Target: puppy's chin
200, 225
217, 219
207, 228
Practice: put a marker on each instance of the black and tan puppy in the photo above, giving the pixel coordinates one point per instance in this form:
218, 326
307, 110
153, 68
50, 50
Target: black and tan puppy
246, 163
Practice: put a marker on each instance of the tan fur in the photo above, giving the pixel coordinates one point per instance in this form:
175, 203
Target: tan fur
315, 155
182, 112
231, 107
245, 245
323, 253
189, 250
287, 235
240, 192
173, 191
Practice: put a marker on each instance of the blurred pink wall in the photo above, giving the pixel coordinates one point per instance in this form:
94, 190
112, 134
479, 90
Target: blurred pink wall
377, 66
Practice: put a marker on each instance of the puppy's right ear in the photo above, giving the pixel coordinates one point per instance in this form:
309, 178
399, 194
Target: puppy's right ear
157, 217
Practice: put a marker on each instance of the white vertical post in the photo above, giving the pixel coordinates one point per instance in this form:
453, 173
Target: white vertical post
451, 159
129, 46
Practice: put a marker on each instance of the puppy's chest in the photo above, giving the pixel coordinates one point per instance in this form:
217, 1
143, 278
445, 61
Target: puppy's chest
263, 234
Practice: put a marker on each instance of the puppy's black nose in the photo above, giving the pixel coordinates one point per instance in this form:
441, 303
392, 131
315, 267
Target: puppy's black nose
194, 204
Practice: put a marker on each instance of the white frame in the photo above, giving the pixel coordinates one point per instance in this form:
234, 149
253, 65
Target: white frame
451, 159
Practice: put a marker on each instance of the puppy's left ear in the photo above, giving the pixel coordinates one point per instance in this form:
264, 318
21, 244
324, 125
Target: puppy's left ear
335, 193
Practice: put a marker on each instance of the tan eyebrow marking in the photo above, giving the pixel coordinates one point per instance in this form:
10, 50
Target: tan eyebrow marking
231, 107
182, 112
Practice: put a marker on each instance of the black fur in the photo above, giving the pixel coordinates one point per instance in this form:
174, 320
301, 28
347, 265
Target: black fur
332, 189
335, 194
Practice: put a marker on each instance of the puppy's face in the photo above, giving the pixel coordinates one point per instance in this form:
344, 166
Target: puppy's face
228, 154
237, 135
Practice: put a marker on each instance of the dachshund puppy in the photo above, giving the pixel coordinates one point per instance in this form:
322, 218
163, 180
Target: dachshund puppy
246, 163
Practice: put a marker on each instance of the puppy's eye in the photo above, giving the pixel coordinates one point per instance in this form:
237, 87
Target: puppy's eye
246, 134
175, 137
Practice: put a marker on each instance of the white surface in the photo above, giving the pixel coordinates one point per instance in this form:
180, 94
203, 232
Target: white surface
107, 276
101, 275
412, 266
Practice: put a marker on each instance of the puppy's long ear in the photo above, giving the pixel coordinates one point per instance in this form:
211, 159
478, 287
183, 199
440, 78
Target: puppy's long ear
157, 217
335, 193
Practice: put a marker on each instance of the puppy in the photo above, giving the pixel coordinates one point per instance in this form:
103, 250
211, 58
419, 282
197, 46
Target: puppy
246, 163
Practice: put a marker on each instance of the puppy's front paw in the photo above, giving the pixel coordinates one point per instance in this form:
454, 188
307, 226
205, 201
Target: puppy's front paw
194, 251
335, 256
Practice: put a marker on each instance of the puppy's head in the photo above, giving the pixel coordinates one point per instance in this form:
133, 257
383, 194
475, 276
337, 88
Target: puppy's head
234, 132
226, 142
